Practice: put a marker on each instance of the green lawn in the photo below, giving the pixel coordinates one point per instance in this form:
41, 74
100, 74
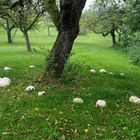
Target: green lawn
53, 116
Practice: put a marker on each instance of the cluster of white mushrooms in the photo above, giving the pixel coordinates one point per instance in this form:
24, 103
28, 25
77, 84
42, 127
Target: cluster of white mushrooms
5, 82
31, 88
99, 103
102, 103
6, 68
103, 71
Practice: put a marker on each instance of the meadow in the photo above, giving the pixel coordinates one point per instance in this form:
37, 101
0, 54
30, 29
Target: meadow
54, 116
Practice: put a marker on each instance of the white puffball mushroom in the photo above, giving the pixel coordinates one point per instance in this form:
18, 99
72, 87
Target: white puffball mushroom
7, 68
5, 82
78, 100
30, 88
101, 103
31, 66
7, 79
134, 99
122, 74
41, 93
103, 71
92, 71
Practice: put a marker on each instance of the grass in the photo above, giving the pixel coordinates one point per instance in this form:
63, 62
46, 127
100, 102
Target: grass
54, 116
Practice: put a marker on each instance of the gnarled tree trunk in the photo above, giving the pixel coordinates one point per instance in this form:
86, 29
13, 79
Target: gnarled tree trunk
60, 53
27, 42
67, 22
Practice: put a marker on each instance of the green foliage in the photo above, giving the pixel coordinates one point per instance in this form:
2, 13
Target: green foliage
129, 40
85, 21
134, 53
107, 16
27, 14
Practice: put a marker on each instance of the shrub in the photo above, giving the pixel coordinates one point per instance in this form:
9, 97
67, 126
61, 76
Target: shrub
134, 53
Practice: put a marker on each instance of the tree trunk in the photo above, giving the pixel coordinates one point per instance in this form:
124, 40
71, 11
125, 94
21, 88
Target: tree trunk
67, 24
27, 42
9, 36
49, 33
113, 37
60, 53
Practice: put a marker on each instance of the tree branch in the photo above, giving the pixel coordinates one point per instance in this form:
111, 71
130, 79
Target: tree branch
53, 12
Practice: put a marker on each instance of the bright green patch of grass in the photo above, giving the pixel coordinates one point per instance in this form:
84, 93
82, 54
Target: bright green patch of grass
27, 116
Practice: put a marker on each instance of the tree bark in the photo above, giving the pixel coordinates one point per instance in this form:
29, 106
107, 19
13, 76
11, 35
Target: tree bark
9, 36
67, 23
27, 42
60, 53
113, 37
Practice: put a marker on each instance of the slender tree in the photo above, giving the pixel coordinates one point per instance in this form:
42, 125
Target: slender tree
48, 22
25, 14
65, 15
8, 25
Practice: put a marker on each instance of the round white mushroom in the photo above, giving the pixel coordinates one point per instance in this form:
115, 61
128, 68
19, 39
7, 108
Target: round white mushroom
92, 71
78, 100
5, 82
7, 68
122, 74
134, 99
41, 93
30, 88
103, 71
31, 66
101, 103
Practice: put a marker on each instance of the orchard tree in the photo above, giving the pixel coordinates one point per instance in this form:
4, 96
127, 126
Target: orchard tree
131, 25
25, 14
48, 22
65, 15
5, 22
84, 22
107, 17
88, 20
8, 25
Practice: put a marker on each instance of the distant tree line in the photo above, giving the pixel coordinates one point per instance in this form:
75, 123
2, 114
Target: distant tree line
23, 15
118, 18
